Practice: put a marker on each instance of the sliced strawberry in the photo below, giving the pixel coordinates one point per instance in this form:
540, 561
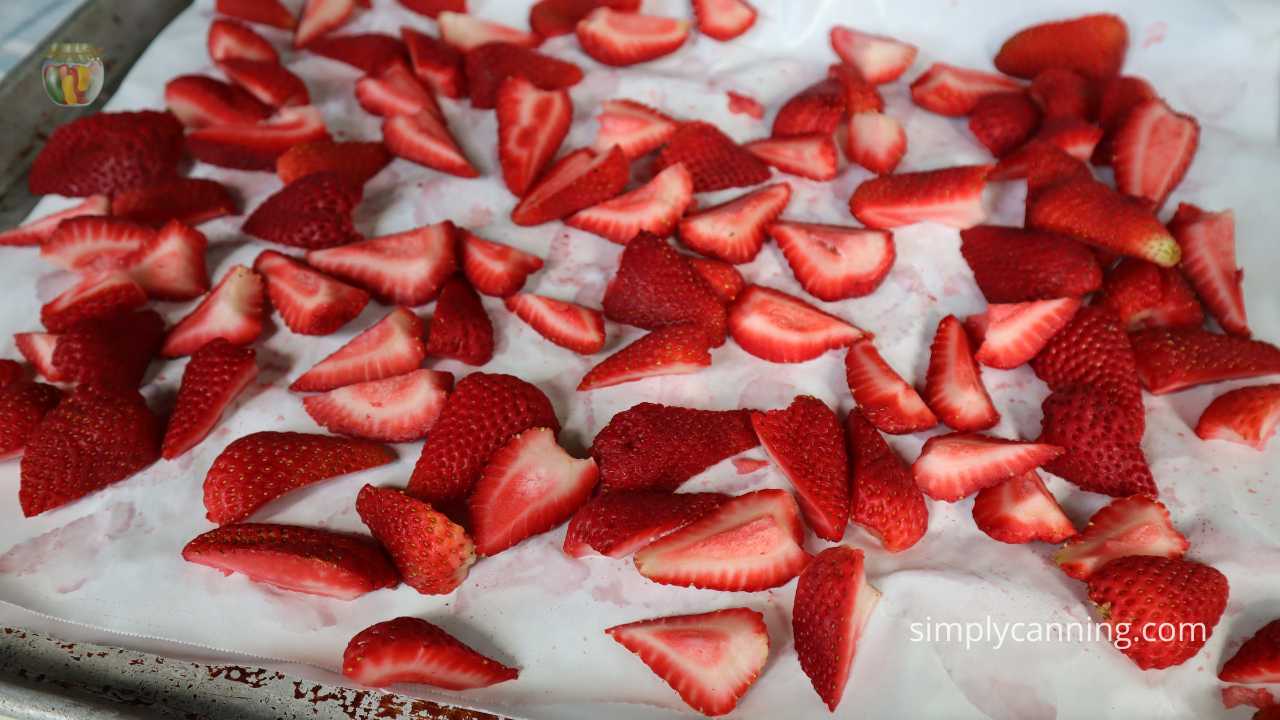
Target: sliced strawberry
529, 486
552, 18
723, 279
1119, 95
576, 181
875, 141
1171, 359
392, 346
654, 207
395, 90
489, 64
1094, 213
1255, 697
95, 297
38, 232
425, 139
312, 212
467, 32
267, 12
435, 63
233, 310
616, 524
1154, 147
670, 350
742, 104
411, 650
710, 659
834, 262
309, 302
256, 146
833, 602
1093, 45
1043, 163
199, 101
569, 325
805, 441
1134, 525
714, 160
11, 371
954, 387
1013, 265
1208, 242
859, 95
358, 162
1247, 415
188, 200
618, 38
433, 8
750, 542
104, 153
1064, 93
79, 242
396, 409
460, 328
110, 352
37, 349
531, 125
950, 90
268, 81
955, 466
1100, 434
230, 40
734, 231
22, 405
1093, 350
888, 401
216, 374
1074, 137
951, 196
817, 109
433, 554
320, 17
778, 327
1002, 122
1021, 510
811, 156
367, 52
723, 20
1146, 295
1012, 334
634, 127
407, 268
879, 59
494, 268
1257, 660
655, 286
884, 499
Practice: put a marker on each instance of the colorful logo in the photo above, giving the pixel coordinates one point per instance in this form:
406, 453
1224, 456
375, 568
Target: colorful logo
73, 74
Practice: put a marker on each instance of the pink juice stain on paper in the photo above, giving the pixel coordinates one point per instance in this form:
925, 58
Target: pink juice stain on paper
75, 544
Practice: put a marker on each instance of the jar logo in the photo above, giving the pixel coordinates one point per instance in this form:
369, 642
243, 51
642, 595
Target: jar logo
73, 74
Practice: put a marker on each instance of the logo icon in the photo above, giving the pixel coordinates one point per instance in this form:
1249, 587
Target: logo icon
73, 74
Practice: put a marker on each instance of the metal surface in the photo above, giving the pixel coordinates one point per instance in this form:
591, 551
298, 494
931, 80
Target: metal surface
122, 29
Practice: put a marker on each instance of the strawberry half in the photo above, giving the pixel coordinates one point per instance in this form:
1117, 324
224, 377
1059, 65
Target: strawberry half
395, 90
710, 659
105, 153
188, 200
367, 52
198, 101
531, 125
1002, 122
216, 374
1145, 295
617, 524
751, 542
466, 32
714, 160
634, 127
38, 232
806, 443
496, 269
392, 346
654, 207
22, 405
433, 554
953, 387
734, 231
723, 20
358, 162
396, 409
816, 110
955, 91
723, 279
424, 138
110, 352
778, 327
230, 40
620, 38
1247, 415
411, 650
1118, 96
93, 298
460, 328
1100, 437
551, 18
80, 242
1013, 265
888, 401
309, 302
655, 286
233, 310
1012, 334
1133, 525
319, 17
435, 63
834, 262
407, 268
833, 602
885, 500
813, 156
1091, 212
270, 82
1093, 45
1208, 242
1153, 147
256, 146
954, 466
569, 325
266, 12
1257, 660
300, 559
669, 350
1171, 359
875, 141
576, 181
951, 196
1021, 510
877, 58
859, 95
38, 349
487, 66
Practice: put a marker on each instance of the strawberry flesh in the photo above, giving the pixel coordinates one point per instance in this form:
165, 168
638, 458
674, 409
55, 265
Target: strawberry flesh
955, 466
1257, 660
396, 409
496, 269
412, 650
406, 268
1247, 415
734, 231
833, 602
1021, 510
616, 524
951, 196
233, 310
669, 350
1208, 242
1133, 525
834, 262
392, 346
778, 327
953, 386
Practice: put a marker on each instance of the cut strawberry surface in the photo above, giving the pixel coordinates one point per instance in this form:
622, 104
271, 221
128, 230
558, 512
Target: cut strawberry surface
616, 524
460, 328
257, 146
1012, 334
551, 18
425, 139
488, 65
230, 40
435, 63
104, 153
714, 160
833, 602
654, 207
313, 212
569, 325
888, 401
109, 352
1134, 525
805, 441
723, 20
367, 52
816, 110
270, 82
955, 466
396, 409
496, 269
1172, 359
812, 156
95, 297
1248, 416
1100, 436
834, 262
1208, 242
1153, 147
406, 268
320, 17
393, 91
1093, 45
266, 12
621, 38
22, 405
358, 162
531, 125
884, 497
188, 200
1145, 295
1257, 660
655, 287
392, 346
575, 182
300, 559
734, 231
751, 542
723, 279
669, 350
1021, 510
879, 59
953, 387
954, 91
1013, 265
528, 487
778, 327
875, 141
433, 554
38, 232
1002, 122
309, 302
37, 349
951, 196
466, 32
79, 242
1093, 213
216, 374
859, 95
411, 650
632, 126
199, 101
710, 659
233, 310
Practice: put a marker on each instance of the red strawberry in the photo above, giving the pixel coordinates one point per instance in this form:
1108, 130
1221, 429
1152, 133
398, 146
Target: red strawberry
38, 232
1076, 138
395, 90
396, 409
257, 147
22, 405
105, 153
1247, 415
258, 468
1013, 265
312, 212
1139, 592
655, 286
669, 350
425, 139
950, 196
268, 81
834, 262
1012, 334
357, 162
654, 207
529, 486
806, 443
1255, 697
111, 352
1134, 525
267, 12
95, 437
955, 466
407, 268
1093, 45
1118, 96
884, 497
812, 156
723, 20
489, 64
619, 38
1208, 243
1092, 350
216, 374
859, 95
1064, 93
460, 328
576, 181
710, 659
734, 231
95, 297
494, 268
81, 242
301, 559
879, 59
832, 604
38, 349
1171, 359
658, 447
392, 346
551, 18
778, 327
1257, 660
569, 325
433, 554
1002, 122
1153, 147
1146, 295
230, 40
367, 52
433, 8
888, 401
412, 650
531, 125
233, 310
723, 279
1098, 432
750, 542
435, 63
1021, 510
309, 302
714, 160
11, 371
955, 91
170, 265
484, 411
320, 17
634, 127
817, 109
875, 141
467, 32
954, 387
188, 200
617, 524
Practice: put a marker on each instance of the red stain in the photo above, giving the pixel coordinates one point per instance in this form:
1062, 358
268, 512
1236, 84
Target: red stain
1254, 697
1155, 34
745, 105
